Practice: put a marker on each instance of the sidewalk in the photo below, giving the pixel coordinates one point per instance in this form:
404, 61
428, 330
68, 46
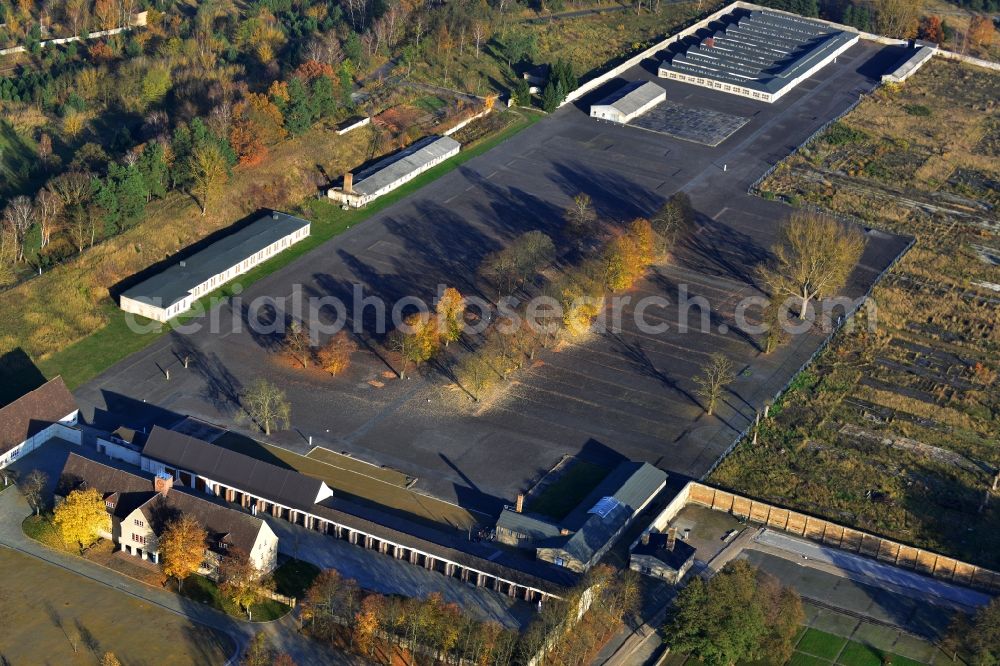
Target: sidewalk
282, 633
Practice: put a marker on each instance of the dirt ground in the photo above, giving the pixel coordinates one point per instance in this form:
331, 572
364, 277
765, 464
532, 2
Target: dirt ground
65, 619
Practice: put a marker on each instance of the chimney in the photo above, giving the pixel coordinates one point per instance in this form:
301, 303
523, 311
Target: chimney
519, 507
645, 538
671, 538
163, 483
348, 183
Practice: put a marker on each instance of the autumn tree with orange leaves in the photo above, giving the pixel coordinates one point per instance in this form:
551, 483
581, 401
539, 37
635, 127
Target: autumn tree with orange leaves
257, 123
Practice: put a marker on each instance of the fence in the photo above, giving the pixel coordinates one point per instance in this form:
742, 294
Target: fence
844, 538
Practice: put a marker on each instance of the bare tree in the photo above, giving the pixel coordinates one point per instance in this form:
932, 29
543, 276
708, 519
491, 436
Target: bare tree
48, 206
18, 217
898, 19
713, 380
267, 405
33, 487
812, 258
580, 216
298, 344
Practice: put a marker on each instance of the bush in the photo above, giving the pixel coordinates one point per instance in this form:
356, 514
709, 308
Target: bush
917, 110
840, 134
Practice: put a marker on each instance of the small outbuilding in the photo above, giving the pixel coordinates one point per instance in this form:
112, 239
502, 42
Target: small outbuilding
662, 555
390, 172
628, 102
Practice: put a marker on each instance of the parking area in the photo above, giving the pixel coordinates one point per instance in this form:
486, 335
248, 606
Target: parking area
619, 394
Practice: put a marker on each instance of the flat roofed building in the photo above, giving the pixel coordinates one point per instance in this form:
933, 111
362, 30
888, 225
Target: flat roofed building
390, 172
35, 418
173, 291
628, 102
759, 54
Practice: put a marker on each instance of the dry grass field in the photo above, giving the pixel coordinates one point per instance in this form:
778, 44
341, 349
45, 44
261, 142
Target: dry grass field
48, 313
895, 429
51, 616
588, 42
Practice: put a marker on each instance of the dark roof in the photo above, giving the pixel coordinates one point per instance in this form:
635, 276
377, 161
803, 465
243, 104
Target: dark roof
134, 490
266, 481
760, 50
608, 508
284, 486
657, 547
632, 96
527, 525
481, 555
33, 412
176, 282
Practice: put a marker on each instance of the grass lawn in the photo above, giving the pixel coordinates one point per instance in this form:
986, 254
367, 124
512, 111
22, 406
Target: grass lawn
200, 589
821, 644
112, 341
559, 498
42, 529
52, 616
294, 577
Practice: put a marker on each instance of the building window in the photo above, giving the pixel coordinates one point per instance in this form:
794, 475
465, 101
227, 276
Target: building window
139, 523
138, 538
110, 505
560, 561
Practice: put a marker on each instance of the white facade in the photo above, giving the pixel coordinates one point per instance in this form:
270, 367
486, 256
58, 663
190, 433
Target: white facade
262, 506
356, 199
138, 539
164, 314
65, 429
612, 113
733, 89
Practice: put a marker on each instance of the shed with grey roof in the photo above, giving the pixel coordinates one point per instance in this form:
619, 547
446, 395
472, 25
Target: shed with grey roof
174, 290
390, 172
628, 102
580, 539
760, 54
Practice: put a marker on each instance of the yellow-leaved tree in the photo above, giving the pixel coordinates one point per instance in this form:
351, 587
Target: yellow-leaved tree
182, 546
81, 518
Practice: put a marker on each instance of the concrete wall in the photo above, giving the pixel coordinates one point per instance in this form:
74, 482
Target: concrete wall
66, 429
138, 21
118, 451
839, 536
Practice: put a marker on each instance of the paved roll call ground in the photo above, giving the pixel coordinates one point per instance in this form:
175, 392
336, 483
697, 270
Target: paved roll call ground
617, 394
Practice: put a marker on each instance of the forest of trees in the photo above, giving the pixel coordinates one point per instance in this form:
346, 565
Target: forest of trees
91, 132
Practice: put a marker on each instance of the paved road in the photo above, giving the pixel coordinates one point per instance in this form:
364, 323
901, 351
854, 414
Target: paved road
282, 633
866, 570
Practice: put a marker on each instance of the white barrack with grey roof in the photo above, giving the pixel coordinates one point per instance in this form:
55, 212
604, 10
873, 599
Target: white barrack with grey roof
390, 172
760, 54
629, 102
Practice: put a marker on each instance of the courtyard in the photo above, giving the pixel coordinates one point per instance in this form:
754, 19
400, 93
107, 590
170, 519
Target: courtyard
612, 395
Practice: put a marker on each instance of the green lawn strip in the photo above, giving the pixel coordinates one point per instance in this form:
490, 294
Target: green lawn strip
856, 654
559, 498
88, 357
820, 644
294, 577
803, 659
202, 590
